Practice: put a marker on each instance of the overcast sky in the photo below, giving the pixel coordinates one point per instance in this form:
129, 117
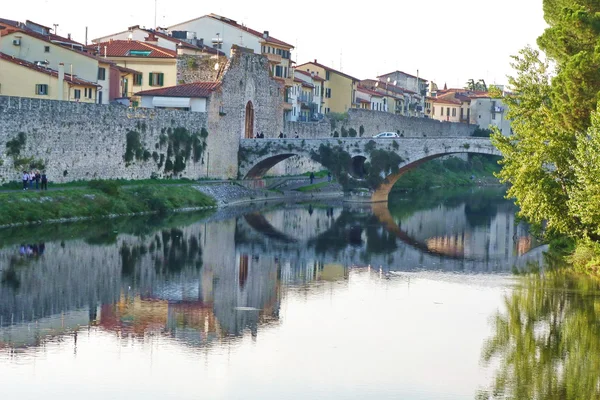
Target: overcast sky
447, 41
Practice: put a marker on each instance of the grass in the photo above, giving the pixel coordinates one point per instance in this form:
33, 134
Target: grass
18, 185
312, 188
22, 207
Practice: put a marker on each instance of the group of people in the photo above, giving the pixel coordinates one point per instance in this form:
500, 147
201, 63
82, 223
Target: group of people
35, 176
32, 250
281, 136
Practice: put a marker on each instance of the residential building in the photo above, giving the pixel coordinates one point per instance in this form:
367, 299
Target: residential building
396, 98
370, 100
189, 97
222, 33
310, 99
338, 88
415, 86
182, 45
154, 66
39, 49
450, 107
487, 112
26, 79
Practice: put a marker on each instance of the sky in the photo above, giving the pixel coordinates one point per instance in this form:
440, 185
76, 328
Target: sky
448, 42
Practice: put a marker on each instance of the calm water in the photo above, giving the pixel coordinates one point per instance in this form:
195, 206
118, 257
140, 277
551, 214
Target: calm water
295, 301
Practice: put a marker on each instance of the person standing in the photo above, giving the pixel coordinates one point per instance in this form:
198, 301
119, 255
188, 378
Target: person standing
44, 181
31, 179
37, 179
328, 176
312, 178
25, 180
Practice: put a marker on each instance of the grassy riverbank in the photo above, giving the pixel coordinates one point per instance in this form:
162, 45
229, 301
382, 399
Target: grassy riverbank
452, 172
99, 199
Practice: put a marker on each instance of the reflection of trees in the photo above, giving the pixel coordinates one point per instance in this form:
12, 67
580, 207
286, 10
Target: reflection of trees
171, 250
547, 341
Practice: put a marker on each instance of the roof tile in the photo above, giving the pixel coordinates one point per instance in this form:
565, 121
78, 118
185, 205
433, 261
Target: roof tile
196, 89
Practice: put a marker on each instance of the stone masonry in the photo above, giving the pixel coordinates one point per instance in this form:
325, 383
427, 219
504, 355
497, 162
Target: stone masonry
79, 141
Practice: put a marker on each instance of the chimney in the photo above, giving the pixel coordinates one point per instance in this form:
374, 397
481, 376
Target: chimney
151, 38
69, 36
105, 51
61, 80
265, 34
315, 60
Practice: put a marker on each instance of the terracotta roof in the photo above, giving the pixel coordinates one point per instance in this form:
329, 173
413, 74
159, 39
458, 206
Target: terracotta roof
127, 70
315, 77
448, 98
197, 89
328, 69
364, 101
369, 91
122, 48
306, 84
400, 72
44, 38
183, 44
73, 80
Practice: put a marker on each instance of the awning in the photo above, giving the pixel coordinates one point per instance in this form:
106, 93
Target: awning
171, 102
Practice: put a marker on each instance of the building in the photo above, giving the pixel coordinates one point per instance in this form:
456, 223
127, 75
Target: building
308, 90
370, 100
339, 89
223, 33
414, 86
450, 107
188, 97
155, 66
182, 45
25, 79
396, 98
36, 43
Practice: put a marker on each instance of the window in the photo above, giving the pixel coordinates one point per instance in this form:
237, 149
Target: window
77, 94
41, 90
101, 74
90, 93
442, 111
454, 112
327, 75
137, 79
156, 79
433, 111
263, 49
328, 93
46, 49
140, 53
447, 111
279, 71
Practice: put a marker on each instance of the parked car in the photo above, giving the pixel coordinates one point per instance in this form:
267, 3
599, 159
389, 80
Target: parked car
384, 135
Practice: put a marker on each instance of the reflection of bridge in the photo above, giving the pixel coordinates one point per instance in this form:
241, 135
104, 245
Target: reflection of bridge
257, 156
368, 236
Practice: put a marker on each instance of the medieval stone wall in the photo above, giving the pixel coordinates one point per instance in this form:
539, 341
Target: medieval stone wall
194, 68
374, 122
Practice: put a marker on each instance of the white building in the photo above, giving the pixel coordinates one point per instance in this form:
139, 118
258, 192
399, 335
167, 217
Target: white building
189, 97
222, 33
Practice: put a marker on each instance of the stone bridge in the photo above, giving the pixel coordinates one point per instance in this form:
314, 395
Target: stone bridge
257, 156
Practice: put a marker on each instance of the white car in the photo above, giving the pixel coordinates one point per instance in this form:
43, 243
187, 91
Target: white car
384, 135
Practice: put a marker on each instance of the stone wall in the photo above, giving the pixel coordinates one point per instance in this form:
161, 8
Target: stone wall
307, 130
202, 68
246, 80
375, 122
79, 141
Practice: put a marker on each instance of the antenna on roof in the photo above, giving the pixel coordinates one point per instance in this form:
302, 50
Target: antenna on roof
155, 4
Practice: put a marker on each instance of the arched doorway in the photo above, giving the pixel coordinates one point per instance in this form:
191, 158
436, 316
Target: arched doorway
249, 131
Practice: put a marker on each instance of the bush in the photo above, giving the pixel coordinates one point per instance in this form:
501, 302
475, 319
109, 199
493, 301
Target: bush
111, 188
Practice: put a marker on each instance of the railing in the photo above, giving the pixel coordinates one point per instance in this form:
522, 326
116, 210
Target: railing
305, 99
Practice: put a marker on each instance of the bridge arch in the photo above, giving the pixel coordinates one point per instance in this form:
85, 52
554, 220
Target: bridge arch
383, 190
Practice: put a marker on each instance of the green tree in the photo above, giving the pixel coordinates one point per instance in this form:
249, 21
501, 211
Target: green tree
547, 342
545, 160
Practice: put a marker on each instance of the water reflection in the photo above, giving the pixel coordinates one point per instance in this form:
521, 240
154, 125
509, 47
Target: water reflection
547, 340
208, 282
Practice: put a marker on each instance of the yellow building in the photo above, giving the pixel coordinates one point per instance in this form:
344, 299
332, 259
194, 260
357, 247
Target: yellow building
24, 79
156, 66
339, 88
37, 48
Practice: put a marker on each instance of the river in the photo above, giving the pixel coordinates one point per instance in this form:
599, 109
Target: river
424, 299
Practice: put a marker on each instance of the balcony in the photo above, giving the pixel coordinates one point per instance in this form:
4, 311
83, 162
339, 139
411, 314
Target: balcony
305, 99
273, 58
287, 105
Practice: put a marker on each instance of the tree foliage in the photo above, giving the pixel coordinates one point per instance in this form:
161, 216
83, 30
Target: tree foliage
547, 160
